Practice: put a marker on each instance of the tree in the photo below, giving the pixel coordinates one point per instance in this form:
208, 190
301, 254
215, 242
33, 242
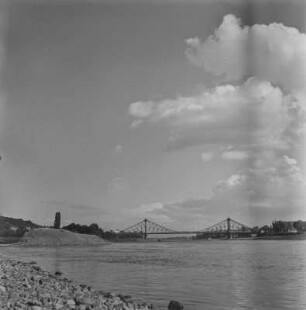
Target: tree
299, 226
92, 229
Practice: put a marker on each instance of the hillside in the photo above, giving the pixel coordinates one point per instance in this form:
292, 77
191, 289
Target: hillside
11, 227
57, 237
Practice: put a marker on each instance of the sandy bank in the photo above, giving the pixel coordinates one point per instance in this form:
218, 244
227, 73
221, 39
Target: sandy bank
26, 286
57, 237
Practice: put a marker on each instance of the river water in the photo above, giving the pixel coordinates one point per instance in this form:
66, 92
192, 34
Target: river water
235, 274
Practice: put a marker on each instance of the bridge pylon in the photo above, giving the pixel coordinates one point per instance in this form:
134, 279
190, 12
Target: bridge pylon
145, 235
229, 235
146, 227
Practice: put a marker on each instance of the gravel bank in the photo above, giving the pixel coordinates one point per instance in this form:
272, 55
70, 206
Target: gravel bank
26, 286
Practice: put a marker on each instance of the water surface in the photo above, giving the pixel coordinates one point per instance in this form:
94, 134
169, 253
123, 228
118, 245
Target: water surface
236, 274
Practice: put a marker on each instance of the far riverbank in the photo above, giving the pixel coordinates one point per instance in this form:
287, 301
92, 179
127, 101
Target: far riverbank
11, 241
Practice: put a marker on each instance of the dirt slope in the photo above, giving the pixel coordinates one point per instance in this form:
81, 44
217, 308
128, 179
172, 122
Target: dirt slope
57, 237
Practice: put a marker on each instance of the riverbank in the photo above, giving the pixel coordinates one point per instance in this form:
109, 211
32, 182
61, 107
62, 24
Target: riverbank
283, 237
26, 286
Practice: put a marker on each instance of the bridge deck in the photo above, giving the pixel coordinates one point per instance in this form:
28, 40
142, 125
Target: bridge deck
196, 232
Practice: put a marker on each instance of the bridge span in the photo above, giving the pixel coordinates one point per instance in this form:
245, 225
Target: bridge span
228, 228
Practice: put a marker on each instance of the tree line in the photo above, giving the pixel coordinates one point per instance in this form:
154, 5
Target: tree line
94, 229
285, 227
276, 228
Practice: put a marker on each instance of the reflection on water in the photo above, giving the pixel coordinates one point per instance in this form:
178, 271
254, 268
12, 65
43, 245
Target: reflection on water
202, 275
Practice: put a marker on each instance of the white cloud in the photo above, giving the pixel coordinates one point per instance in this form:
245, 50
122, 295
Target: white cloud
141, 109
274, 53
231, 181
290, 169
261, 119
252, 113
222, 53
289, 161
234, 155
267, 108
207, 156
255, 194
234, 180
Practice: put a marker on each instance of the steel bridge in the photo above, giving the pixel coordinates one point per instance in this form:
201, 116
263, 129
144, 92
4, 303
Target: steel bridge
227, 228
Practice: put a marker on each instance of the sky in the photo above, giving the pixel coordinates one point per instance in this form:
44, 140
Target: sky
183, 112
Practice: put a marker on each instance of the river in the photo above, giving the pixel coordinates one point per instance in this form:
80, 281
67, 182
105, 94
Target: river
235, 274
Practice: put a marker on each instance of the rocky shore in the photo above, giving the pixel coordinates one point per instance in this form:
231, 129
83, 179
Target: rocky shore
26, 286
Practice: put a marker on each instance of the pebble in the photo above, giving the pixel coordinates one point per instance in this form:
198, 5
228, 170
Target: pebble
71, 302
26, 286
2, 289
175, 305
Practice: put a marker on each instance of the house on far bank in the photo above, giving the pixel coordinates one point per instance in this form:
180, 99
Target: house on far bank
292, 230
264, 230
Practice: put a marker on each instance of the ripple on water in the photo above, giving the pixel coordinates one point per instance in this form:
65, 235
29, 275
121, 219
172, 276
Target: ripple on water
212, 275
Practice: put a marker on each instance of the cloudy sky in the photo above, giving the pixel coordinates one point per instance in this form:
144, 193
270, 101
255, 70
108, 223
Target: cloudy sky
184, 112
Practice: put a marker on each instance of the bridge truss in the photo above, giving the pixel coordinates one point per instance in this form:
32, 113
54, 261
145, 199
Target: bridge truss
228, 225
227, 228
146, 227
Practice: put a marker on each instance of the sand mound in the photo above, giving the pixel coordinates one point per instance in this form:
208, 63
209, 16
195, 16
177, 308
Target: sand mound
57, 237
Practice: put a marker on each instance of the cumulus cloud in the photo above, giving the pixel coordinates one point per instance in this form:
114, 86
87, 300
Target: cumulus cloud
258, 109
253, 112
274, 53
289, 161
255, 194
140, 110
268, 107
233, 180
274, 179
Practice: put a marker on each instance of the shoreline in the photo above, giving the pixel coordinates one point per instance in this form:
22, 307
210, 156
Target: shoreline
26, 286
168, 240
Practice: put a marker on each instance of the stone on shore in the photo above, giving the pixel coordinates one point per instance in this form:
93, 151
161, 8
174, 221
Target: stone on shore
175, 305
24, 286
